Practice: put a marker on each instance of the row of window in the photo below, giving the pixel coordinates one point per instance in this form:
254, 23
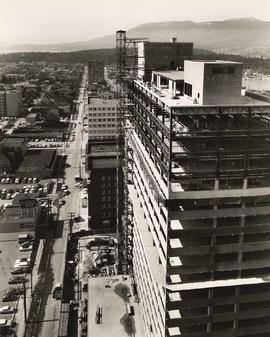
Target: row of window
94, 114
101, 120
103, 131
102, 126
102, 109
101, 137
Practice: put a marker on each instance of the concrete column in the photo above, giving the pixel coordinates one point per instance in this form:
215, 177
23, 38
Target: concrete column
209, 310
236, 307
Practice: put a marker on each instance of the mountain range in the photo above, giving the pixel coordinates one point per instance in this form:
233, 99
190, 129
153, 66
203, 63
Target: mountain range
243, 36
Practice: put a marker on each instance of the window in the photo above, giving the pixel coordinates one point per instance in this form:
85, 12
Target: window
188, 89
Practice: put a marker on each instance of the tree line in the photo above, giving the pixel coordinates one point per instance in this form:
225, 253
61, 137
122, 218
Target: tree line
108, 54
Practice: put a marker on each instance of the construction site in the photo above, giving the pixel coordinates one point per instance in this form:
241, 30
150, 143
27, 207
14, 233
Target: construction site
195, 231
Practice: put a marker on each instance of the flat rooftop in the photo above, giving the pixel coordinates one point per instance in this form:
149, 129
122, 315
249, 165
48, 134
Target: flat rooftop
13, 216
103, 150
13, 141
37, 160
102, 102
186, 101
171, 74
112, 304
214, 61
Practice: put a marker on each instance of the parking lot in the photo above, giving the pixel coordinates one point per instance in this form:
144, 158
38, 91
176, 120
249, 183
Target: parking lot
9, 191
9, 253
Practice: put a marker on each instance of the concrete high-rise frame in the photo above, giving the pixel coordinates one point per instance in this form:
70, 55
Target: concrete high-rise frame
199, 191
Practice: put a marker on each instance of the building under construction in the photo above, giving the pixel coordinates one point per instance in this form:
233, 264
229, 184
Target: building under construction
198, 235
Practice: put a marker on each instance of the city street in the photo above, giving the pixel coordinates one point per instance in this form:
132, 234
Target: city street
50, 321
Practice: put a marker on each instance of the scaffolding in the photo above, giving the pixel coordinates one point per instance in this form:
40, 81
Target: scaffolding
126, 59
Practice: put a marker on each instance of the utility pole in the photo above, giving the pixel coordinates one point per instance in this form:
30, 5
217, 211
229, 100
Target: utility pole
79, 290
31, 281
24, 303
71, 217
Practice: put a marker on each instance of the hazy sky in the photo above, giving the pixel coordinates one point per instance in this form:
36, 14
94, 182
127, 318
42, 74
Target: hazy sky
53, 21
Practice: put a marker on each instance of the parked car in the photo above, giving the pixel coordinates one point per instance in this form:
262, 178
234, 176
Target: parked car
6, 323
17, 280
64, 187
24, 237
12, 294
22, 265
22, 260
20, 270
6, 310
10, 297
26, 248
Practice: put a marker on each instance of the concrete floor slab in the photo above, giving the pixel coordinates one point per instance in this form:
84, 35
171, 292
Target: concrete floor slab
112, 303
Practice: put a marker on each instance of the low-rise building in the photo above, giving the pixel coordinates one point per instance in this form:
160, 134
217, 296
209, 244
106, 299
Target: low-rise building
14, 144
38, 163
21, 216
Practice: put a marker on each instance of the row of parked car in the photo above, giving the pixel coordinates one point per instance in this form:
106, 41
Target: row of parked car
21, 267
42, 145
8, 194
53, 139
10, 180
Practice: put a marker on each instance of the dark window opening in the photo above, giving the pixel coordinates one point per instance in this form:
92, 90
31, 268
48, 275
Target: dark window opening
188, 89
